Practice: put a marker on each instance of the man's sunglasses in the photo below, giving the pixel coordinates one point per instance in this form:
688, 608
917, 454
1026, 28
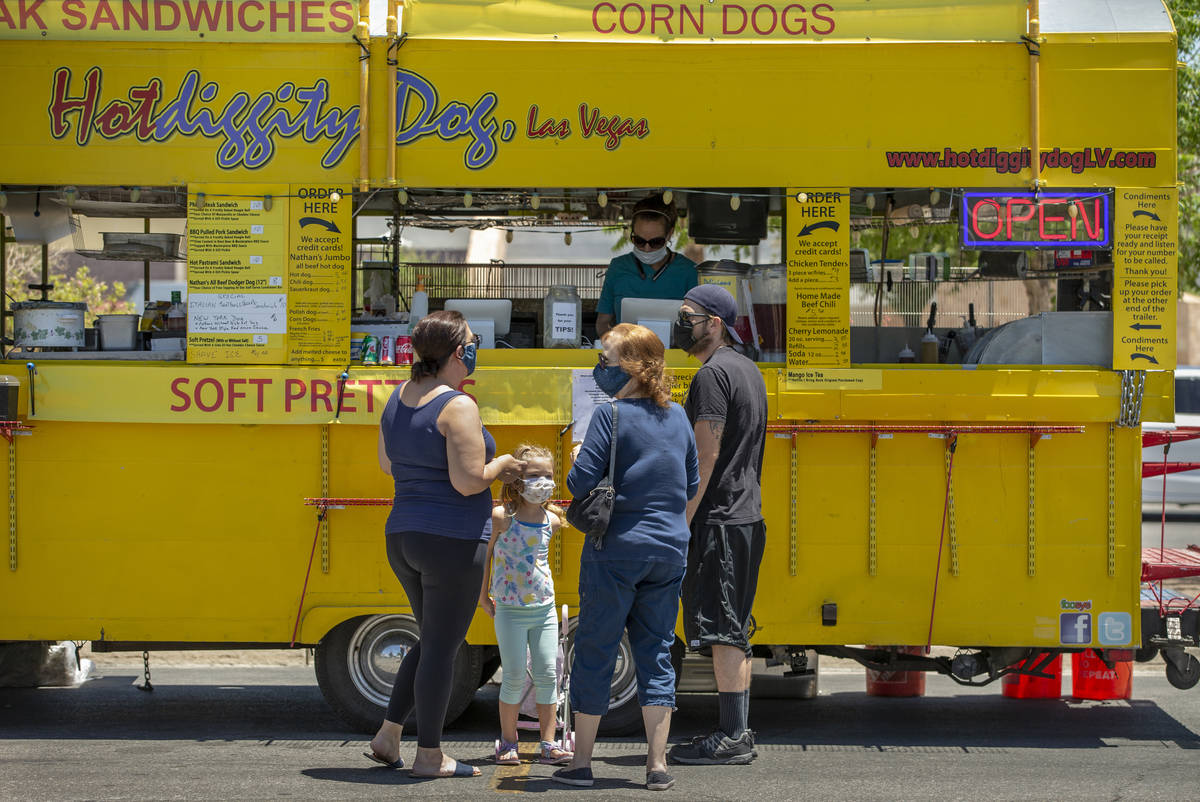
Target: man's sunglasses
476, 340
653, 242
686, 319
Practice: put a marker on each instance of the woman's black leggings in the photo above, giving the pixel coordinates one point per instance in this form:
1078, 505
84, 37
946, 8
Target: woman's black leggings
442, 577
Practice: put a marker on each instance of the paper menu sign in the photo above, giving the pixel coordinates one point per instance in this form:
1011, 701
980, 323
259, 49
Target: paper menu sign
1145, 278
817, 252
585, 397
237, 269
269, 273
318, 279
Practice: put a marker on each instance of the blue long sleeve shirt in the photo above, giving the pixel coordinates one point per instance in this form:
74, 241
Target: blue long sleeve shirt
657, 472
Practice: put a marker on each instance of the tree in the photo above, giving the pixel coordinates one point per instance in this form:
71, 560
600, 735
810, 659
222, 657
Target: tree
1186, 15
24, 267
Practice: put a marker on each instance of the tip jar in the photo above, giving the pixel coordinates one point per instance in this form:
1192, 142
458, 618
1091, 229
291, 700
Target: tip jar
562, 317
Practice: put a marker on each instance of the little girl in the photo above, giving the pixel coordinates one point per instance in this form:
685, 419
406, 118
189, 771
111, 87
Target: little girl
518, 592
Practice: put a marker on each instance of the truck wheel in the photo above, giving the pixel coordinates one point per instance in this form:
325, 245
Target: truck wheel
1184, 678
624, 716
356, 666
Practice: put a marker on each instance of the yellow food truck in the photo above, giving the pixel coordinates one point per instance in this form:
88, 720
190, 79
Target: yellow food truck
942, 467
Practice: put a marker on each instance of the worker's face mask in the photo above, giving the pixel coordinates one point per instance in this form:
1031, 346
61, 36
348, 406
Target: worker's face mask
650, 257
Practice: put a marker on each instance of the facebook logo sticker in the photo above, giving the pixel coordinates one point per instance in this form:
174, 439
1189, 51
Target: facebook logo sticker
1114, 629
1075, 627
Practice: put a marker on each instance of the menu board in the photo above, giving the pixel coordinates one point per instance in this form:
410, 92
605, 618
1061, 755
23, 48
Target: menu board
817, 253
1145, 277
318, 280
237, 273
269, 274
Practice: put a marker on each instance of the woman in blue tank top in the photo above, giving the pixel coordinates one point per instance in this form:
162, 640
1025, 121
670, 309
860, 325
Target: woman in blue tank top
433, 445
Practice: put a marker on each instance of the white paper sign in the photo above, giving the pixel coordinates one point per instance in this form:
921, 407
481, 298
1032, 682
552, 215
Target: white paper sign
585, 397
564, 326
237, 313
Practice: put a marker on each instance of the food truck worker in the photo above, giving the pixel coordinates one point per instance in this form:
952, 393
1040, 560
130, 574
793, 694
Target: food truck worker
727, 405
651, 270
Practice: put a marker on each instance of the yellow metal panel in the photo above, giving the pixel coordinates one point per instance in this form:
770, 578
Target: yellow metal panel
1078, 80
201, 21
33, 153
184, 532
953, 393
778, 21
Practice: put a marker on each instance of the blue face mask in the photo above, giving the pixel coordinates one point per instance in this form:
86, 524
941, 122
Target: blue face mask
610, 378
468, 358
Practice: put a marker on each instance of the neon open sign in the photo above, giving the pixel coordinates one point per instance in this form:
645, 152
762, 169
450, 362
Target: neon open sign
1061, 219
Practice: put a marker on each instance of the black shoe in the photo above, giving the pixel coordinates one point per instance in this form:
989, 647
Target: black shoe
659, 781
717, 749
580, 778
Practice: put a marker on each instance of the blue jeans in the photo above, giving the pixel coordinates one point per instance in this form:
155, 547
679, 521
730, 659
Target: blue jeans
620, 595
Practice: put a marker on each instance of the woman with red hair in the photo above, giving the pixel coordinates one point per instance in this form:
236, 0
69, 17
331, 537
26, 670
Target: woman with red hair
631, 580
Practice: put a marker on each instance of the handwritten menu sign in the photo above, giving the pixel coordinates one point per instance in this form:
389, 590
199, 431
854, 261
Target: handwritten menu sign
318, 285
1145, 277
237, 273
817, 251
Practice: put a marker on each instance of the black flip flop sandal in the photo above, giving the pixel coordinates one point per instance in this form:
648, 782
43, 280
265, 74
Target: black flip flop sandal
398, 763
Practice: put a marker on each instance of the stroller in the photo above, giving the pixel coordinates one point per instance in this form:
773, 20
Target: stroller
528, 719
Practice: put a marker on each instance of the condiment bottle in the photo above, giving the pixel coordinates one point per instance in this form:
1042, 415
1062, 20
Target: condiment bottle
419, 305
176, 315
907, 355
929, 348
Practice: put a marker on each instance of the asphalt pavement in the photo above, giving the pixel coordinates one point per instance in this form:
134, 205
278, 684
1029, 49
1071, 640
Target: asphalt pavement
266, 733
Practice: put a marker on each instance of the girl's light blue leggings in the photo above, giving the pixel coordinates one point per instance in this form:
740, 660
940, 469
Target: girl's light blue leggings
535, 628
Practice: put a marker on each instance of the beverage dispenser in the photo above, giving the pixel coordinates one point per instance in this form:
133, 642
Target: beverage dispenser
768, 286
732, 276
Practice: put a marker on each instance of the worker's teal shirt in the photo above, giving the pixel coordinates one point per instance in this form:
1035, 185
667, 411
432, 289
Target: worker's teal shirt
624, 280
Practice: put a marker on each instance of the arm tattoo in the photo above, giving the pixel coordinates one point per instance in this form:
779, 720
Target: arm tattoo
717, 427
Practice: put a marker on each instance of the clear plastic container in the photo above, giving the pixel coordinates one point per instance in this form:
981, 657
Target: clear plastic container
562, 317
768, 288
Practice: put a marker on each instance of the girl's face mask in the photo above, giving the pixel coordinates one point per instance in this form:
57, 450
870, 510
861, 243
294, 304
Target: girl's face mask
538, 489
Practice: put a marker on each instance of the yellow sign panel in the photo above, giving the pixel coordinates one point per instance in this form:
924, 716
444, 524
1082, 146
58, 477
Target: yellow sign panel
1145, 278
152, 114
460, 127
708, 20
834, 379
816, 243
181, 393
127, 114
180, 20
237, 273
319, 263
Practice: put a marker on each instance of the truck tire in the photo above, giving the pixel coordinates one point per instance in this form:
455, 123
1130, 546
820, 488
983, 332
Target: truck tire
356, 666
624, 716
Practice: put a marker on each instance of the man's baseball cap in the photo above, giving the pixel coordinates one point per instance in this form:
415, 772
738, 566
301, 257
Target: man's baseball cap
717, 301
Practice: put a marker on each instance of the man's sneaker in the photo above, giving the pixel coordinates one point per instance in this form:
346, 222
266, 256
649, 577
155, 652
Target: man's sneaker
716, 749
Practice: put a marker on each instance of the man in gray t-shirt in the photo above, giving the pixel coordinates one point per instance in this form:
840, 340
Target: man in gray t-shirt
727, 405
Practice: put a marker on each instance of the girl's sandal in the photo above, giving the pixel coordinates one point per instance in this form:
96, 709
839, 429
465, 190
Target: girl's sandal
555, 755
506, 753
